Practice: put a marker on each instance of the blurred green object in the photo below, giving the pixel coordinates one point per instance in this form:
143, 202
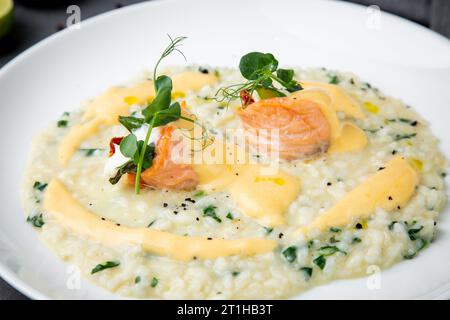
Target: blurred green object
6, 16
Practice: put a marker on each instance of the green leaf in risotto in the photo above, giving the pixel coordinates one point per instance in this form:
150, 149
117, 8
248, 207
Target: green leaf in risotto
105, 265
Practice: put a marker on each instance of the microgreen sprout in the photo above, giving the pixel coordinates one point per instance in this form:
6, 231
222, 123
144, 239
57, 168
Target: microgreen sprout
261, 71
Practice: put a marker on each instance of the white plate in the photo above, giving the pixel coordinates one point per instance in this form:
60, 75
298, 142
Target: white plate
401, 58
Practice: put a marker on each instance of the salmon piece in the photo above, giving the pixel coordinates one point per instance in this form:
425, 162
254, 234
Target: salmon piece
303, 129
165, 173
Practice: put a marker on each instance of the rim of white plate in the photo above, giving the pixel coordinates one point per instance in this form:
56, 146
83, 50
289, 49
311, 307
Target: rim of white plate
10, 277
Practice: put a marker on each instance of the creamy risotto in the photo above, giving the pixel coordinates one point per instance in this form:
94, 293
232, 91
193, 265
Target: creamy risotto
369, 197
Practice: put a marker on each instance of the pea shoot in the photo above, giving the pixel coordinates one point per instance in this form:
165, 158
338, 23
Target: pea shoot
261, 71
158, 112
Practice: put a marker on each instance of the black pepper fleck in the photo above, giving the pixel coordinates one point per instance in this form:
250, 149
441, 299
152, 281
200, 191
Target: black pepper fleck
329, 183
209, 238
381, 168
280, 235
394, 152
358, 226
198, 219
398, 207
165, 205
390, 198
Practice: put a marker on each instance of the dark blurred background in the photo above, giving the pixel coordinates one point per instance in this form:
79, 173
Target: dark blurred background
35, 20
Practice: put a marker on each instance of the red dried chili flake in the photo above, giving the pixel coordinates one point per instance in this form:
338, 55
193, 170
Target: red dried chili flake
112, 143
246, 98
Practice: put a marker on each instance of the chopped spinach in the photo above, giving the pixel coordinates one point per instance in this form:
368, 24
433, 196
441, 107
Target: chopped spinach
320, 261
36, 220
39, 185
334, 79
268, 230
391, 225
329, 250
399, 137
105, 265
404, 120
154, 282
88, 152
420, 244
62, 123
230, 216
307, 271
199, 194
290, 254
356, 240
210, 211
412, 233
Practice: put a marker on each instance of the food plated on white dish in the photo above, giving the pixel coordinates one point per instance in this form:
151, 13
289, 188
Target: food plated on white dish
311, 144
257, 182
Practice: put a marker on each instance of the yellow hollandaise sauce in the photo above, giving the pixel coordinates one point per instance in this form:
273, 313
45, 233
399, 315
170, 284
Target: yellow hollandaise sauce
115, 102
63, 207
389, 189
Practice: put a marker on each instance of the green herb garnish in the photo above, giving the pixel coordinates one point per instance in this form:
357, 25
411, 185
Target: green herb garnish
320, 261
137, 279
391, 225
356, 240
334, 79
329, 250
235, 273
230, 216
399, 137
268, 230
105, 265
127, 167
199, 194
335, 230
210, 211
412, 233
159, 112
62, 123
260, 70
39, 185
290, 254
420, 244
90, 151
36, 220
154, 282
307, 272
404, 120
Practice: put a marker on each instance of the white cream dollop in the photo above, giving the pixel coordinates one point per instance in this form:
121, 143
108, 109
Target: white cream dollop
118, 159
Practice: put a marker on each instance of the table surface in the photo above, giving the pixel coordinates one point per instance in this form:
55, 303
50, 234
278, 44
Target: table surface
35, 22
